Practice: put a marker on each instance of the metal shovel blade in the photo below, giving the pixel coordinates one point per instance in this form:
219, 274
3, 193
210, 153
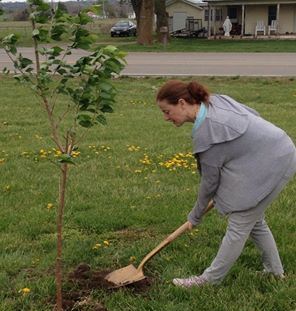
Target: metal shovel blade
131, 274
124, 276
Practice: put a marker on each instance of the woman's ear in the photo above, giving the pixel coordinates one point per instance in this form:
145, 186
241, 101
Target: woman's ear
182, 102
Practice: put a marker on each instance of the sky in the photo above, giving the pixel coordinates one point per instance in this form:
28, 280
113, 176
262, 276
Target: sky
25, 1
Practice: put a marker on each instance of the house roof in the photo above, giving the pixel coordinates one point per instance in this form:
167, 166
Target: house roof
240, 2
195, 3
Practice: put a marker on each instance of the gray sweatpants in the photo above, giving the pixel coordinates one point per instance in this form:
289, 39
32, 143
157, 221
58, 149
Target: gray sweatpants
241, 226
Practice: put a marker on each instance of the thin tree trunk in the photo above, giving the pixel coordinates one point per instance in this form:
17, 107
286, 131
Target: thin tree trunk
60, 216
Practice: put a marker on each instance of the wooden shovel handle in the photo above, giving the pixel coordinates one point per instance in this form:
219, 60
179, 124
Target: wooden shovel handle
170, 238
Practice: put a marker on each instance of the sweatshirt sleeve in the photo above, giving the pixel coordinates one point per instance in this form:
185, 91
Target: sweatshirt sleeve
210, 177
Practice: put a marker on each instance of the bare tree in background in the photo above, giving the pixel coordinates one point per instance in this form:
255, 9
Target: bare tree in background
136, 4
144, 10
161, 18
145, 26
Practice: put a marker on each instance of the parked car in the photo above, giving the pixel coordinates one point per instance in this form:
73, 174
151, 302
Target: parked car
124, 28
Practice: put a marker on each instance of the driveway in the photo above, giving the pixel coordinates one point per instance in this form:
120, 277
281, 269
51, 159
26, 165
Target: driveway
194, 64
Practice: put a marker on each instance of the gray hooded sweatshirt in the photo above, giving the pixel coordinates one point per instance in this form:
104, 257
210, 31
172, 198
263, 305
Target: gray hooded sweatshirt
241, 157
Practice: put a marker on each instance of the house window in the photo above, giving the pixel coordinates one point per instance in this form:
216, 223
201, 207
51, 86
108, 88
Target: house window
271, 13
232, 12
218, 13
206, 15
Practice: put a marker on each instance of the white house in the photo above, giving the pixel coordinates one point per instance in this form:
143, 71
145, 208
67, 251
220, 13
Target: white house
248, 17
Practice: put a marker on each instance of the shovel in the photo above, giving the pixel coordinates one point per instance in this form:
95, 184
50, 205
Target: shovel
131, 274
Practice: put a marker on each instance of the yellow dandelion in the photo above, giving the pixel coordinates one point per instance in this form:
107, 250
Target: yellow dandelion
97, 246
132, 259
49, 206
106, 243
7, 188
25, 291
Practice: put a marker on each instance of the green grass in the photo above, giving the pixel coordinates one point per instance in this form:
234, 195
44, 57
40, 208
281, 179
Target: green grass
101, 29
113, 196
204, 45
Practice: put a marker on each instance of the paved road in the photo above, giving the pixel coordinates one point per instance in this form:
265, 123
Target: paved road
196, 64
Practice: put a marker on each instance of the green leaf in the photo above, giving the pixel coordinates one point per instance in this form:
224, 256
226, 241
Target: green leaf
6, 70
83, 18
101, 119
105, 86
57, 31
85, 120
107, 108
9, 43
106, 95
66, 158
35, 33
56, 51
24, 62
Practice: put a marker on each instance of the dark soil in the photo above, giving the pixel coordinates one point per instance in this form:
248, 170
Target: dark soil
85, 280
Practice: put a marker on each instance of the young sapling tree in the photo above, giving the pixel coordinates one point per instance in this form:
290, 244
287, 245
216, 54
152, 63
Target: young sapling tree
72, 95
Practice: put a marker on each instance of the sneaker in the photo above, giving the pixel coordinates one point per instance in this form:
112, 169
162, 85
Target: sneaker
191, 281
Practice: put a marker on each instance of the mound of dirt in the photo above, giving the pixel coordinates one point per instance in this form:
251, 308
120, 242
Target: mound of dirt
85, 280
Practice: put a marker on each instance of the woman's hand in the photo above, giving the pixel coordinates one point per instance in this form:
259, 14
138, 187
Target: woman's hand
190, 226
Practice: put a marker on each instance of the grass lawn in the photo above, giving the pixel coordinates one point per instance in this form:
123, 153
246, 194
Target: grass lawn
124, 197
101, 29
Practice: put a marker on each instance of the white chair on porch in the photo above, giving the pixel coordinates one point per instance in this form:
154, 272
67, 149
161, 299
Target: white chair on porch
260, 27
273, 27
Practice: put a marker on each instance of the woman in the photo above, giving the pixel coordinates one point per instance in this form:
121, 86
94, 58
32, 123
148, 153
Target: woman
244, 161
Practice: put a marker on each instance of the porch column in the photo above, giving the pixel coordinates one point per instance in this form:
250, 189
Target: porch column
214, 20
278, 18
209, 21
243, 20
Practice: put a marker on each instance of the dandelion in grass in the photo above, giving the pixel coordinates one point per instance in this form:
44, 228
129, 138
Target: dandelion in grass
49, 206
97, 246
7, 188
106, 243
132, 259
57, 153
2, 161
42, 153
38, 137
105, 148
146, 160
133, 148
25, 291
138, 171
75, 154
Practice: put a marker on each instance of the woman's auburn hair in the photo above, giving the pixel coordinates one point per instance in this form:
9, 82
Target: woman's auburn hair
193, 92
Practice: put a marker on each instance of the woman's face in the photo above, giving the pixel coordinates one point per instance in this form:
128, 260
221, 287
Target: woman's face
174, 113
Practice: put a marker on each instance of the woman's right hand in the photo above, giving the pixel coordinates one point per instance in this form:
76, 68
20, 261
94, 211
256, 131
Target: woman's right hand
190, 226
